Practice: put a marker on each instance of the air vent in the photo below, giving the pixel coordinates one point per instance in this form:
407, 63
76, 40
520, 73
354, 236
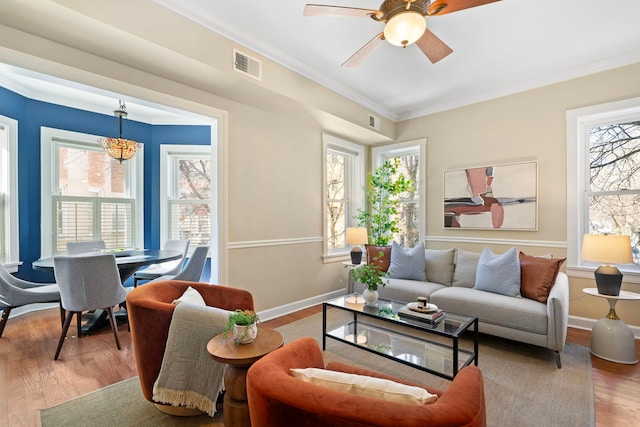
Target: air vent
374, 122
247, 65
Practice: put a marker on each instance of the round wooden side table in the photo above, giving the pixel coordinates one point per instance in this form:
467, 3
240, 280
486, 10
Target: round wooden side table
239, 358
611, 338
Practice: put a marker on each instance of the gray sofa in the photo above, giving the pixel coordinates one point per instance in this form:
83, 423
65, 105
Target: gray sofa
450, 278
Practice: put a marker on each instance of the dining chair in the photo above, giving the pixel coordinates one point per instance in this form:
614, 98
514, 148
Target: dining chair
194, 268
76, 248
88, 282
16, 292
165, 268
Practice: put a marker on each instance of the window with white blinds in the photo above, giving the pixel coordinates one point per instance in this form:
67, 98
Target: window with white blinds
80, 219
89, 196
9, 247
186, 190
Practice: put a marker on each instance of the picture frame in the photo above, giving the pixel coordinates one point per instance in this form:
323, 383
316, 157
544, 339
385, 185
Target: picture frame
500, 196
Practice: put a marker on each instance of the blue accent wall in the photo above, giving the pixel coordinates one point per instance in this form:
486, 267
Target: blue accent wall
32, 114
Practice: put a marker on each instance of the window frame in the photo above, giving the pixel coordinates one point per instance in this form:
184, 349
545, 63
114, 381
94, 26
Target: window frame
579, 121
354, 189
169, 153
419, 146
9, 175
51, 137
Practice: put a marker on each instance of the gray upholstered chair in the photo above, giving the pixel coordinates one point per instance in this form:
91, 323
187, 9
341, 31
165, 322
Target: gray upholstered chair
88, 282
169, 268
16, 292
194, 268
76, 248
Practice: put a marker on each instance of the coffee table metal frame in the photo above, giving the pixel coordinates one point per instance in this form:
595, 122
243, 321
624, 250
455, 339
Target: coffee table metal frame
452, 327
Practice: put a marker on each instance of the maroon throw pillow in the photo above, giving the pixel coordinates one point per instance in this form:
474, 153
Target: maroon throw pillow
537, 276
383, 260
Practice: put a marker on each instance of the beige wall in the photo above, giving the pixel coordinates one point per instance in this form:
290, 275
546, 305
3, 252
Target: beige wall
273, 168
528, 125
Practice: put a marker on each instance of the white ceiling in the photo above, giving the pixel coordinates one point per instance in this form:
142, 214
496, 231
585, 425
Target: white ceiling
499, 48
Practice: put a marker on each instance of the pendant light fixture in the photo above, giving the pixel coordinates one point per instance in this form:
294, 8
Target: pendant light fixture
120, 148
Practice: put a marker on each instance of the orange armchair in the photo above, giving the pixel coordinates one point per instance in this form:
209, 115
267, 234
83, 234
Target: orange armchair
276, 398
150, 308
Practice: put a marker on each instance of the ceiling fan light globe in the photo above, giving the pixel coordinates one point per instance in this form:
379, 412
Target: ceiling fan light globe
405, 28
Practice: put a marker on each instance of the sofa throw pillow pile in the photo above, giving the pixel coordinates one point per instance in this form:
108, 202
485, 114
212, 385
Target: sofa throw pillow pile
499, 274
363, 385
538, 274
407, 263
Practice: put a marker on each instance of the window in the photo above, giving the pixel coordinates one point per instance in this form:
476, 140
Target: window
9, 249
87, 195
186, 189
603, 183
343, 191
410, 209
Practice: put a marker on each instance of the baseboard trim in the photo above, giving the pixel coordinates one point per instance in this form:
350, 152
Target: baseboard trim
586, 324
282, 310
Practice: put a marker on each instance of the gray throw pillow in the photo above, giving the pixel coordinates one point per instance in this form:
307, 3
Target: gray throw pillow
407, 263
499, 274
439, 265
464, 274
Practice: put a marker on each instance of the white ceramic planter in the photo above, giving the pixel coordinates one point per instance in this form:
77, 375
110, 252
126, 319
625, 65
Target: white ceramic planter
245, 334
370, 296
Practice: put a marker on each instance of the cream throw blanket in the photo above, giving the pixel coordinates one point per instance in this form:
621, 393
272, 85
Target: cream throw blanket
188, 375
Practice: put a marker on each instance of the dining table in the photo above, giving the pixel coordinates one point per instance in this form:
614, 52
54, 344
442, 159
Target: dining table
128, 263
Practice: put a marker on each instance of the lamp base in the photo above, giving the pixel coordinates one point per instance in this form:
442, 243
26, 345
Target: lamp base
608, 280
356, 257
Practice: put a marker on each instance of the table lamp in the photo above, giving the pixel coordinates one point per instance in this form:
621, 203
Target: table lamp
609, 249
356, 236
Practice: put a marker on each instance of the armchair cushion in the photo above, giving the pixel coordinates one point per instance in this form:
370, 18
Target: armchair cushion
364, 385
190, 296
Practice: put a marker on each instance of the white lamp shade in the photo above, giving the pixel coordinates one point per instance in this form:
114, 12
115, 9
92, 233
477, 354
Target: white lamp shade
405, 28
356, 236
607, 248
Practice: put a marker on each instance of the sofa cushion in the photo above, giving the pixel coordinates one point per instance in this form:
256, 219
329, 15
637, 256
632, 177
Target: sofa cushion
383, 260
439, 265
407, 290
466, 265
407, 263
515, 313
499, 274
363, 385
538, 275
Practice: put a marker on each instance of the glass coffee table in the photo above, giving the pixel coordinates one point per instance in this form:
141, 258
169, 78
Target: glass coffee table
377, 328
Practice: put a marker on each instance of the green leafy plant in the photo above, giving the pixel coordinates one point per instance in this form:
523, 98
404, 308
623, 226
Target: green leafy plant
382, 192
240, 318
369, 275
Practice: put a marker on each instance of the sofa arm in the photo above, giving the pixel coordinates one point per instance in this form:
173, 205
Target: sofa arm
558, 313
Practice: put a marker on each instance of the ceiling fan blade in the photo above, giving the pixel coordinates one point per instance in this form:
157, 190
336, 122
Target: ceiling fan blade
434, 48
357, 58
442, 7
321, 9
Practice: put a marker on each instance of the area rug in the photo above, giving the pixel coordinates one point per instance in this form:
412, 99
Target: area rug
522, 386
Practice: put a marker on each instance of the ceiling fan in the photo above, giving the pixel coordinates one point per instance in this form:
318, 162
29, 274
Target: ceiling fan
404, 21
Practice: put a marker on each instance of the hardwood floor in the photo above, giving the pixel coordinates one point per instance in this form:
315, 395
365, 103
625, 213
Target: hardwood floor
32, 380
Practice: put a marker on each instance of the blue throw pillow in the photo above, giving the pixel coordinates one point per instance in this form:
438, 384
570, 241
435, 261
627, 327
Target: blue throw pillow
407, 263
499, 274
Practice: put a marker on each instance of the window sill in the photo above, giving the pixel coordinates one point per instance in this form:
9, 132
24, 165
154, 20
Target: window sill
339, 257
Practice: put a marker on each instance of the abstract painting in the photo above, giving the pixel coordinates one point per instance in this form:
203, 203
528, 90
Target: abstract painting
495, 197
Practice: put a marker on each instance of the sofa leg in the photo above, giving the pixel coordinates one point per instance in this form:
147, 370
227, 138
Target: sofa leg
558, 361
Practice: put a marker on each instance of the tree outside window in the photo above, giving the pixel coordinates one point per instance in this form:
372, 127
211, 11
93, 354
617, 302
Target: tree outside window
613, 194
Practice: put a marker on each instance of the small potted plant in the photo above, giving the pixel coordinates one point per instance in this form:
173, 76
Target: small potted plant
371, 276
244, 324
